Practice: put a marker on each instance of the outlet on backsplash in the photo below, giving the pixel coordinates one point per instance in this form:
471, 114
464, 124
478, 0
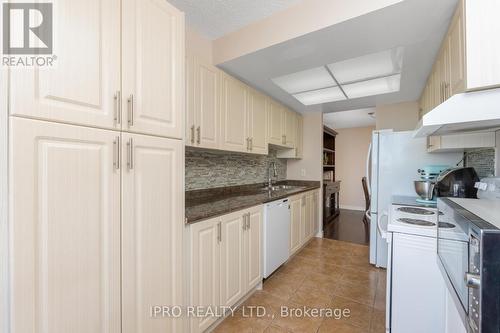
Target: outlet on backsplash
210, 169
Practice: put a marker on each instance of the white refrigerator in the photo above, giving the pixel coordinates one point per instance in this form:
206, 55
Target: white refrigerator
392, 164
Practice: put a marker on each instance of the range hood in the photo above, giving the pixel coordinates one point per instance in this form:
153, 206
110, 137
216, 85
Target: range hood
472, 111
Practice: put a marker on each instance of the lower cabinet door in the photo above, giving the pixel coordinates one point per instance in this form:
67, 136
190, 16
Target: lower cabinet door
253, 246
295, 223
152, 229
205, 270
64, 229
315, 214
308, 223
232, 259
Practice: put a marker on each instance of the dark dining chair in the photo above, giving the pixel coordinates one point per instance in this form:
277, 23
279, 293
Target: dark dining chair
367, 200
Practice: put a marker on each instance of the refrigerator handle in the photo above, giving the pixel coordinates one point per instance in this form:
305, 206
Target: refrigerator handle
368, 180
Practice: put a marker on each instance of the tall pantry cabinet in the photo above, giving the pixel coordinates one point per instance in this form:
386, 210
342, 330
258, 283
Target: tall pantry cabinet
96, 169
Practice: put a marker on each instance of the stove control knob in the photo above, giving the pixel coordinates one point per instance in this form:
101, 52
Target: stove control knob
472, 280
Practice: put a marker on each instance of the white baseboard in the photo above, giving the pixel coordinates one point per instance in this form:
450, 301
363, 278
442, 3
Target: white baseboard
362, 209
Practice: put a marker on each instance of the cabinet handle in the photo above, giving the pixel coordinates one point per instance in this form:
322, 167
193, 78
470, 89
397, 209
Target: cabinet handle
251, 143
447, 90
130, 154
198, 133
192, 134
244, 225
248, 221
131, 110
118, 107
219, 232
116, 153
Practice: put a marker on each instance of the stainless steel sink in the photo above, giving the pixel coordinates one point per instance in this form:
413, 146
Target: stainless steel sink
281, 187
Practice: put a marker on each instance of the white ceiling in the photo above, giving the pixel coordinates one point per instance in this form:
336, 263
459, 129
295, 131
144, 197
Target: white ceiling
350, 119
216, 18
417, 25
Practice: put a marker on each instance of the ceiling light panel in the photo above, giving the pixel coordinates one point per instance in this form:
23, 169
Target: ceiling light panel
370, 66
311, 79
327, 95
378, 86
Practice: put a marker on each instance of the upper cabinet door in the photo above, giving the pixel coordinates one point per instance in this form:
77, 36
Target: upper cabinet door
275, 124
457, 52
152, 229
234, 115
290, 128
64, 229
190, 100
300, 137
207, 92
253, 245
257, 121
232, 259
153, 68
82, 86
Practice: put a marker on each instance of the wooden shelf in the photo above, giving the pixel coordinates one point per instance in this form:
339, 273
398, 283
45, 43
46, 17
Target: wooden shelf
328, 166
329, 150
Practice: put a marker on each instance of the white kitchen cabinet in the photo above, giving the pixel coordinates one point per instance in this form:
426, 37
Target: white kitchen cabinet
290, 128
152, 215
253, 247
234, 118
257, 123
205, 270
202, 104
134, 82
232, 259
153, 68
315, 214
468, 59
302, 219
295, 223
459, 142
64, 229
417, 302
299, 145
82, 86
456, 36
276, 116
225, 262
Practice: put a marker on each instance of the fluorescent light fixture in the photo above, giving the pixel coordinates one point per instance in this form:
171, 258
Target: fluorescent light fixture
320, 96
383, 85
370, 66
311, 79
368, 75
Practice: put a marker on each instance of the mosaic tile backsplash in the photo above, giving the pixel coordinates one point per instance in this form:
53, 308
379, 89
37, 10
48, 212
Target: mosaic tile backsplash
483, 160
209, 169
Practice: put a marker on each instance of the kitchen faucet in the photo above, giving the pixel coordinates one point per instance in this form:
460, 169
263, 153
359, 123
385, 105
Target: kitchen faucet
272, 166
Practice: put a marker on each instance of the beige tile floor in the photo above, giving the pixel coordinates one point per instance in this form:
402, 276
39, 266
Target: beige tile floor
324, 274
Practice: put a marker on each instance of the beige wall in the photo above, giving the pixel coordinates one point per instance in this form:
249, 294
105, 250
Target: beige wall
351, 148
399, 117
199, 45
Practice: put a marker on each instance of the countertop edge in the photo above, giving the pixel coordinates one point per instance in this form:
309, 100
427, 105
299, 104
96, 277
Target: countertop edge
242, 207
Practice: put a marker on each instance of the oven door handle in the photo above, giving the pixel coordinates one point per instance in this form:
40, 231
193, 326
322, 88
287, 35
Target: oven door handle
383, 231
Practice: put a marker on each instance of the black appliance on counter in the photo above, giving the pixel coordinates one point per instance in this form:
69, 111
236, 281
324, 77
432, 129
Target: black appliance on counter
469, 258
457, 183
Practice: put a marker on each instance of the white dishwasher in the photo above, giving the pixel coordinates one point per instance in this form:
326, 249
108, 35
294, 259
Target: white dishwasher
276, 238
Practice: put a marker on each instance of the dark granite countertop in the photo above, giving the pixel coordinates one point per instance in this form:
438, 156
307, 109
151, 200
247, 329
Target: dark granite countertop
209, 203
